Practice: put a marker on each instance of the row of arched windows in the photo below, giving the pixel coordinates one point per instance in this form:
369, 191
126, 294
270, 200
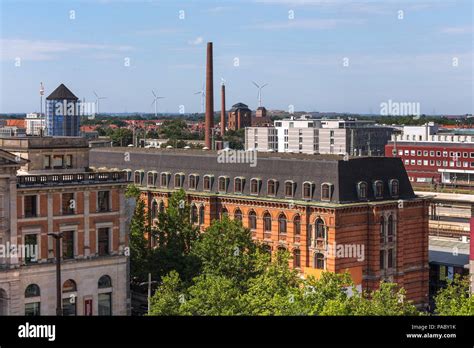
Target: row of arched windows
33, 290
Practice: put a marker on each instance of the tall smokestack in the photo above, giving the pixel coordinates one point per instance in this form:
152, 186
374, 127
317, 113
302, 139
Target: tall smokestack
209, 98
222, 109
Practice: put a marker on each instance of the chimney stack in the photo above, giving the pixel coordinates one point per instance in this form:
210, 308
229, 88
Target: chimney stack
209, 120
222, 109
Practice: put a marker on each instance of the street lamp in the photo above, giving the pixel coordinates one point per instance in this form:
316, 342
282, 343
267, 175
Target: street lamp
57, 236
149, 283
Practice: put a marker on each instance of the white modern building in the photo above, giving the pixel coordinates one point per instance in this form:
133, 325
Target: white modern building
35, 123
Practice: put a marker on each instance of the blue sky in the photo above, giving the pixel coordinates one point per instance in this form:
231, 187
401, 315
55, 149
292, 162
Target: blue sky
301, 58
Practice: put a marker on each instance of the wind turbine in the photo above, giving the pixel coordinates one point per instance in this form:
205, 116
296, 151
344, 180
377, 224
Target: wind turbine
155, 101
203, 96
97, 101
259, 92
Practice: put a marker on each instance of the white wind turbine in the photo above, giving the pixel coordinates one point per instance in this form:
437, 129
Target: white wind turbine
203, 96
259, 92
155, 101
97, 101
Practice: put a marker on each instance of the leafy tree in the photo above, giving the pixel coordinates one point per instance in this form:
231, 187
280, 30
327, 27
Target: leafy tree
456, 298
166, 300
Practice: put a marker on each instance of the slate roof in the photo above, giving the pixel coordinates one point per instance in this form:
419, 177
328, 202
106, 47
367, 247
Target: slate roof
62, 93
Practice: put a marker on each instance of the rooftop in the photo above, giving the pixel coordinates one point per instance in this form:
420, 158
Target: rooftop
62, 93
35, 142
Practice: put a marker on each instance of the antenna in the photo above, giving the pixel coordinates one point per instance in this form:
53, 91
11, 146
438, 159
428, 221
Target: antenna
97, 101
259, 92
203, 96
155, 101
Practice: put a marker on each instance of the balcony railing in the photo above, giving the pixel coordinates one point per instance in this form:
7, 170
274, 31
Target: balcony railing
41, 180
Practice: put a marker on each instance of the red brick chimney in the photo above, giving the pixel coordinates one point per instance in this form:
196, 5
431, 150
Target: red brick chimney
222, 109
209, 98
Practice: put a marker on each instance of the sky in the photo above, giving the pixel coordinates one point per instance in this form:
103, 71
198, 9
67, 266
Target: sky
315, 55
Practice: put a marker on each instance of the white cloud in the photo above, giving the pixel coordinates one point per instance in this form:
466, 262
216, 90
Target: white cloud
38, 50
197, 41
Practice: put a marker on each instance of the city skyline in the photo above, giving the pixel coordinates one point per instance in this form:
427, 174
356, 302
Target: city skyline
314, 55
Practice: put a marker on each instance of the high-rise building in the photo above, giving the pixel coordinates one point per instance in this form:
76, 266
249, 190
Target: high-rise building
62, 113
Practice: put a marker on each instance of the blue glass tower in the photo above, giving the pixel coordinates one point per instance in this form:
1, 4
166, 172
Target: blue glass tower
62, 113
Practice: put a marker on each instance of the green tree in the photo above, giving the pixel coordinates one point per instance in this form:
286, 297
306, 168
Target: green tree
456, 298
167, 298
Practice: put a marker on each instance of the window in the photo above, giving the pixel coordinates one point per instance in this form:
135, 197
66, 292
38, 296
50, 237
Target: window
394, 188
390, 229
238, 215
46, 162
192, 181
31, 241
30, 206
382, 229
296, 258
154, 209
69, 302
271, 187
382, 259
161, 207
252, 220
254, 186
307, 190
103, 237
178, 180
320, 229
58, 161
222, 184
319, 261
432, 153
164, 179
207, 183
32, 290
68, 161
201, 215
325, 192
138, 178
282, 224
68, 245
418, 153
151, 177
33, 309
378, 189
267, 222
104, 282
194, 214
68, 203
238, 185
425, 153
297, 225
103, 201
362, 190
105, 304
289, 188
390, 258
438, 153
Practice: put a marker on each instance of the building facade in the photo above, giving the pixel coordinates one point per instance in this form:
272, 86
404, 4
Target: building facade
311, 206
62, 113
88, 209
35, 123
240, 116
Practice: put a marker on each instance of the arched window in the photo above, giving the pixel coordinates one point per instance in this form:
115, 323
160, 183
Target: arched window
32, 290
178, 180
201, 215
69, 307
104, 282
222, 184
319, 261
289, 188
192, 181
162, 207
238, 185
362, 190
390, 228
154, 209
252, 220
307, 190
254, 186
164, 180
296, 258
224, 213
194, 214
238, 215
207, 182
325, 192
320, 229
382, 229
378, 189
138, 177
267, 222
151, 177
267, 248
69, 286
297, 225
271, 187
394, 188
282, 224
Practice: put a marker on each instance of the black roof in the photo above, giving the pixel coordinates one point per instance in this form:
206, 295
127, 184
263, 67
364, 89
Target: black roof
62, 93
344, 175
239, 106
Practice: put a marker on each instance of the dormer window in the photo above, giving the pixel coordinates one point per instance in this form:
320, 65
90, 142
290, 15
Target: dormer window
178, 180
164, 179
289, 188
362, 190
151, 178
207, 182
254, 186
307, 190
271, 187
193, 181
223, 180
239, 184
378, 189
326, 191
138, 177
394, 188
128, 173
